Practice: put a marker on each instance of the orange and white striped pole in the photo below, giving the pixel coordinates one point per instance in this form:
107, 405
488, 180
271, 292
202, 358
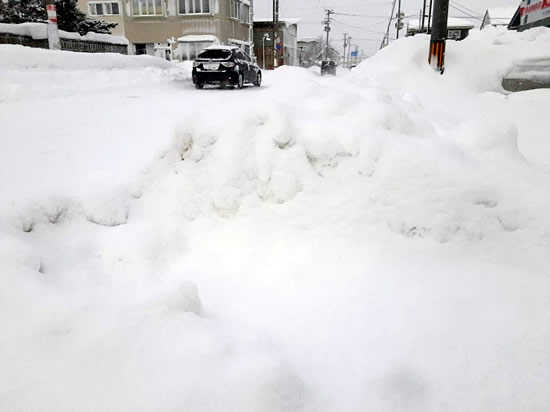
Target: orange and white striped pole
439, 35
53, 32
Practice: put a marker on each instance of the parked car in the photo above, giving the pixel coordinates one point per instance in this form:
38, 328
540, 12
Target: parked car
328, 67
225, 66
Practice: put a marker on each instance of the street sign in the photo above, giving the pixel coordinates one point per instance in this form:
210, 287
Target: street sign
354, 53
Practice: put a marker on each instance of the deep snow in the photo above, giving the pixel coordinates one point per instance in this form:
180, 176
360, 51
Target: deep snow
376, 241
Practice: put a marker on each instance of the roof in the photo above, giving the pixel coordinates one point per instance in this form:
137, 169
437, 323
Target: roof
308, 40
287, 21
197, 38
500, 16
452, 23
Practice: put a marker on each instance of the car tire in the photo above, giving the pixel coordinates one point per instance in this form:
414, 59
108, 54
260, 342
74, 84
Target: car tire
258, 81
199, 86
240, 81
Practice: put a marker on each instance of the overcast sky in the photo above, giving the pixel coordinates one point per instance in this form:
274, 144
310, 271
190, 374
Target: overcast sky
367, 29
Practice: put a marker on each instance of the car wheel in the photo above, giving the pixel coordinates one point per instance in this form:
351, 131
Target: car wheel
258, 81
240, 83
199, 86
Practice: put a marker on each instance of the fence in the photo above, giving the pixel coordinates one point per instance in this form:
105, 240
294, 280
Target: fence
69, 44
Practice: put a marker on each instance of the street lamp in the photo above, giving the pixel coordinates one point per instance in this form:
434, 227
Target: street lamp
266, 37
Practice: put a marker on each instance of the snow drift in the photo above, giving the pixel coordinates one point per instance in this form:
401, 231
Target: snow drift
330, 244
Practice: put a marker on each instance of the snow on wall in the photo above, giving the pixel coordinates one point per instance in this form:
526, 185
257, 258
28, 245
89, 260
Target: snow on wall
14, 57
39, 31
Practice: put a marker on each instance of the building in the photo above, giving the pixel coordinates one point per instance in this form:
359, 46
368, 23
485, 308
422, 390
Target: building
309, 51
176, 29
457, 29
288, 33
498, 16
531, 13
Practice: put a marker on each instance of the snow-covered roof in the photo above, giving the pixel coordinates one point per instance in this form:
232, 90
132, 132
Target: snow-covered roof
287, 21
308, 40
452, 23
500, 16
197, 38
38, 31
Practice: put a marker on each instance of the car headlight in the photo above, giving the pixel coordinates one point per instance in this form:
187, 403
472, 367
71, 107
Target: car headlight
196, 64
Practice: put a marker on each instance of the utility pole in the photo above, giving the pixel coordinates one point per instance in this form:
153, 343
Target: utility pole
276, 40
399, 23
430, 16
386, 39
345, 46
349, 50
251, 27
439, 35
327, 29
423, 16
54, 42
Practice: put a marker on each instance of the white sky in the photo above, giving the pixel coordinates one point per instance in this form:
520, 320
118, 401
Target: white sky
366, 30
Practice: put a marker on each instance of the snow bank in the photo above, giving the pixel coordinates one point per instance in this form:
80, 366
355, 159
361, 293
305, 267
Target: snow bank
29, 73
39, 31
18, 57
327, 244
476, 64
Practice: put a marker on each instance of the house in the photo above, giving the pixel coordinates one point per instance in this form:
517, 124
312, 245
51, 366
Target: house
176, 29
457, 29
288, 34
498, 16
309, 51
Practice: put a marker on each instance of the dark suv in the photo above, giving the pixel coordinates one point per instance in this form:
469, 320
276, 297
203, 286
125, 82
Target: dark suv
225, 66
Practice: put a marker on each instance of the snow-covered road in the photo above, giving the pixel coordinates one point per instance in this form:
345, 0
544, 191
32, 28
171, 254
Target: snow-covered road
375, 241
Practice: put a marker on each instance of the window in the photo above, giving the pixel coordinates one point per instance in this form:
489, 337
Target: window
147, 8
104, 9
236, 9
215, 54
190, 50
245, 18
194, 6
141, 48
454, 34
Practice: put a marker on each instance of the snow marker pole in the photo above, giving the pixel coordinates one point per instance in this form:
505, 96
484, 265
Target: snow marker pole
439, 35
54, 42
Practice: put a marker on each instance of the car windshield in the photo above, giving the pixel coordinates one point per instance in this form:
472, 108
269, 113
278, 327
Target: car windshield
218, 54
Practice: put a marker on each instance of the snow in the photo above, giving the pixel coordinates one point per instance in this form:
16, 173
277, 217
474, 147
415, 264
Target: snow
452, 23
15, 58
39, 31
288, 21
198, 38
376, 240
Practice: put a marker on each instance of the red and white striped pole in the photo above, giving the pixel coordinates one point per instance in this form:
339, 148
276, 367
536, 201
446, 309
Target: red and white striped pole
53, 31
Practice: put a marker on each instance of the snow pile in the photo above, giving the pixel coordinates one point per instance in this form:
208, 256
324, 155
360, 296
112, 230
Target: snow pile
494, 52
347, 243
29, 73
19, 58
39, 31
